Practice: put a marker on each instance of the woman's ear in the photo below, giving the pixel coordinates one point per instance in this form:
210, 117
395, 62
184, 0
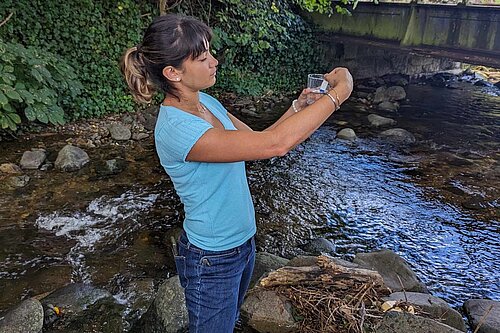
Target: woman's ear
171, 74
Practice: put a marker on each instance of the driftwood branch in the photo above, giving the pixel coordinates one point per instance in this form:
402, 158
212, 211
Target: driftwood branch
330, 297
327, 272
6, 20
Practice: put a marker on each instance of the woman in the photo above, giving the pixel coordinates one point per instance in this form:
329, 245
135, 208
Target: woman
203, 148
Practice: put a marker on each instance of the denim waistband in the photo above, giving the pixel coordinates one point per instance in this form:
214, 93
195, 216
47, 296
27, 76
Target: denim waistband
184, 241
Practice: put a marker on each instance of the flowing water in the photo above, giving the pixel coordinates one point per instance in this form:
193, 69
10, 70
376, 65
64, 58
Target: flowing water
434, 203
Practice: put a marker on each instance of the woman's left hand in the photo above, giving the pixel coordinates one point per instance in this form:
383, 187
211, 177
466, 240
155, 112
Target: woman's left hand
306, 98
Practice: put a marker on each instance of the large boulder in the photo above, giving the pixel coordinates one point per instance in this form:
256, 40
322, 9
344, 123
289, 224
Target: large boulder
391, 94
320, 246
265, 263
435, 307
398, 135
266, 311
71, 158
483, 311
75, 298
379, 121
32, 159
105, 316
27, 317
398, 322
168, 312
392, 268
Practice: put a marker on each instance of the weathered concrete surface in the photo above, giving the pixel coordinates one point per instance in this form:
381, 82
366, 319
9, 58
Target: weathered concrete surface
468, 34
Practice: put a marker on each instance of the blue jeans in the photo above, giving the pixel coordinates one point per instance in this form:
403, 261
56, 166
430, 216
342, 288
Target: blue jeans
215, 283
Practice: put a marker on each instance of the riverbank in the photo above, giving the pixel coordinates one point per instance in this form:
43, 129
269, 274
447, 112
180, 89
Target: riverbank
106, 223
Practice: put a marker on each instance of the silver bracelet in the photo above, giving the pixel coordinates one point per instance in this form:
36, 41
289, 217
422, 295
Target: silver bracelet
294, 107
337, 106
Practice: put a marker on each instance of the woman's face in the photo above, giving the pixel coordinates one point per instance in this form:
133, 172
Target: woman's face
199, 73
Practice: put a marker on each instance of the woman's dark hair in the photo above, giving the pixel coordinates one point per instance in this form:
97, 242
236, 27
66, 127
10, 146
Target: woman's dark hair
168, 41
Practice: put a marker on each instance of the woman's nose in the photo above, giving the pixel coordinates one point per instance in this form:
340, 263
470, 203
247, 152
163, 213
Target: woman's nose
215, 62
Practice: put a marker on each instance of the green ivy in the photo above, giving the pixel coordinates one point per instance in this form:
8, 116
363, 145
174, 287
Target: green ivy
263, 46
39, 84
90, 35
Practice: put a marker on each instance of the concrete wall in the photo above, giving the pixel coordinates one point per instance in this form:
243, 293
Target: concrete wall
369, 61
467, 30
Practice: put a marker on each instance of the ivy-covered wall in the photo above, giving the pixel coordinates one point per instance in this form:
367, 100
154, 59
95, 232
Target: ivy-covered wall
263, 46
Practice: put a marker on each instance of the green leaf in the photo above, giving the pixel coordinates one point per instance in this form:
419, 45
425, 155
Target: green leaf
27, 96
7, 107
14, 117
12, 94
3, 99
34, 72
12, 125
30, 113
3, 122
42, 117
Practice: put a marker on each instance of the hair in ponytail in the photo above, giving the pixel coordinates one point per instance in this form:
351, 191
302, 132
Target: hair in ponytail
134, 70
168, 41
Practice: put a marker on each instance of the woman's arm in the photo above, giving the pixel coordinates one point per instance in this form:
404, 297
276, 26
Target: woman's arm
218, 145
301, 103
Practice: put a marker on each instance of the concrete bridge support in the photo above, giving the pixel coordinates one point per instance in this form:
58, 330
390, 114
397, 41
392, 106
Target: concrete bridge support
462, 33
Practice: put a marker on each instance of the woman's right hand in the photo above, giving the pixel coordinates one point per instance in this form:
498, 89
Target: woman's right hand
341, 80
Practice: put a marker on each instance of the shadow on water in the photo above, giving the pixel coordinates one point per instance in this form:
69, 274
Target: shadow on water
434, 203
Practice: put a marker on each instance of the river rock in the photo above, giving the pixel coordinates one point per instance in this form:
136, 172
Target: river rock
168, 312
75, 297
71, 158
301, 261
320, 246
396, 80
399, 135
110, 167
391, 94
388, 106
144, 291
265, 263
365, 89
398, 322
477, 309
378, 121
25, 318
18, 181
10, 168
266, 311
347, 134
434, 306
391, 266
33, 159
119, 132
140, 136
482, 83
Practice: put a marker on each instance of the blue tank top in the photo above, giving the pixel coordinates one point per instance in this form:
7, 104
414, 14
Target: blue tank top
217, 201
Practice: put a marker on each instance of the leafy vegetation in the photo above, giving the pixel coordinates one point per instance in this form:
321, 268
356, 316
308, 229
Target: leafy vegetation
39, 84
263, 46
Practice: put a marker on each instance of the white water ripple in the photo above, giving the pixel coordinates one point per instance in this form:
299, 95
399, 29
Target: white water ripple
101, 220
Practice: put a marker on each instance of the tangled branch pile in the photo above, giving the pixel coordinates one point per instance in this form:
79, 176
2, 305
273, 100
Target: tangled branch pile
329, 297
